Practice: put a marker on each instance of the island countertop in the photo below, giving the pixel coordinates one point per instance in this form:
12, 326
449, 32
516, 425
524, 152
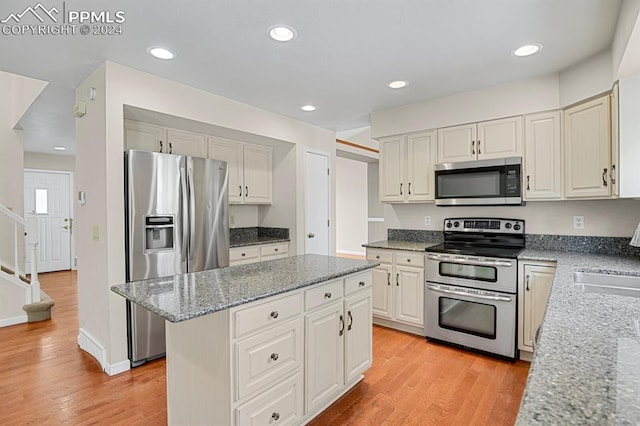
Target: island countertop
186, 296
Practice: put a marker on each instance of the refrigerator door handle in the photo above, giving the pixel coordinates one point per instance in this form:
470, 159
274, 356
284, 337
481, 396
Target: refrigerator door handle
184, 209
192, 207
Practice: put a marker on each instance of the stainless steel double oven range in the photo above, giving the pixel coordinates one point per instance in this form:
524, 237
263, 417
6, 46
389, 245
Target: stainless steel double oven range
471, 285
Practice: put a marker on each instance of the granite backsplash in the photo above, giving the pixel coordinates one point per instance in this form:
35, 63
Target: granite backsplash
240, 234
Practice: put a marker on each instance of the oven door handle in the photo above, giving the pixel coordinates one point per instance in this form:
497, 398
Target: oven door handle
464, 293
470, 262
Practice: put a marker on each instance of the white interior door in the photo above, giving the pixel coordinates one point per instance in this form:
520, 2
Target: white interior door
47, 197
316, 181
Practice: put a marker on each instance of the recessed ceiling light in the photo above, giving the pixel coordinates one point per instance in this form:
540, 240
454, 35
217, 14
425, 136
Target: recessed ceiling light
282, 33
308, 108
528, 49
398, 84
59, 148
161, 53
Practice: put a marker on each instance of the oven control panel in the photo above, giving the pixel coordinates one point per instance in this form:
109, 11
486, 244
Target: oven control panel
485, 225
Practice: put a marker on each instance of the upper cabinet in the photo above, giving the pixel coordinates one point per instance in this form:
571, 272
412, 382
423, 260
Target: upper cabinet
587, 150
406, 167
250, 170
181, 142
481, 141
145, 137
542, 156
614, 173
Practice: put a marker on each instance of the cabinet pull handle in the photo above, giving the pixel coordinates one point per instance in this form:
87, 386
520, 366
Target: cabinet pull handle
160, 146
527, 282
327, 295
341, 325
274, 356
604, 177
612, 174
361, 283
388, 278
240, 194
409, 188
378, 257
170, 147
528, 188
479, 151
398, 279
275, 416
274, 314
243, 254
473, 147
350, 321
400, 188
275, 249
246, 191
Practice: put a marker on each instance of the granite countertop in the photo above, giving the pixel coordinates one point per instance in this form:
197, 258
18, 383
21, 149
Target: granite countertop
254, 240
401, 245
586, 368
186, 296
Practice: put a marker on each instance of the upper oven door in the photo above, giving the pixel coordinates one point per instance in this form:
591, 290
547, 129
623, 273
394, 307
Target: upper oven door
479, 182
475, 272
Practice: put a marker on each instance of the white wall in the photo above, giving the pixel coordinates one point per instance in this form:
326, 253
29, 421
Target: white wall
585, 79
351, 206
99, 171
37, 160
243, 216
629, 13
613, 218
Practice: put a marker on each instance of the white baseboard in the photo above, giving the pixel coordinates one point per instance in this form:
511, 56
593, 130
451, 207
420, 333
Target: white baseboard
355, 253
21, 319
93, 347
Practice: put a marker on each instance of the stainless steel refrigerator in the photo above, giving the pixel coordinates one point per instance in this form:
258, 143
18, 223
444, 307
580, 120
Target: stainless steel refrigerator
176, 222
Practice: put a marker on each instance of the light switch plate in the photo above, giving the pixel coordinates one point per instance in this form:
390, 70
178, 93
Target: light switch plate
427, 220
578, 222
96, 233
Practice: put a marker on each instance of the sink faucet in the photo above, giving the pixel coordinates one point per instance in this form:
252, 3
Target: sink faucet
635, 240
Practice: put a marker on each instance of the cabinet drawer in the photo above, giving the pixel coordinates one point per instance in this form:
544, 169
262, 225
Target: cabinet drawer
274, 249
410, 259
267, 358
280, 405
267, 314
380, 256
323, 294
357, 282
250, 253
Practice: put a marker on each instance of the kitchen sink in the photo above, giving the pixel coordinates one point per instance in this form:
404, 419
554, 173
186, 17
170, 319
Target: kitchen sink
609, 282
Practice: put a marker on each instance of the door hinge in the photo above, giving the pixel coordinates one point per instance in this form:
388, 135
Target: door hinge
328, 172
328, 223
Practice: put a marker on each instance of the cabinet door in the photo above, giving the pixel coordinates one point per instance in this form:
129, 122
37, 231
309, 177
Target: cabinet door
536, 288
358, 344
587, 150
499, 138
457, 143
145, 137
180, 142
392, 169
324, 369
231, 152
543, 157
382, 292
410, 295
421, 157
257, 174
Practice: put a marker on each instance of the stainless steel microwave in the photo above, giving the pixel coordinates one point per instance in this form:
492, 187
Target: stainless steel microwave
493, 182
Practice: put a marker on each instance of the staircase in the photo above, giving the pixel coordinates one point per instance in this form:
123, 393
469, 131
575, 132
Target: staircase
35, 302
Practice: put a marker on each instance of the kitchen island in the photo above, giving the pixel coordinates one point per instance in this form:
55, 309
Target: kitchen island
275, 341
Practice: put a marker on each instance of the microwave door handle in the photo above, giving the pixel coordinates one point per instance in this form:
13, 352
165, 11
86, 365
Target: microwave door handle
439, 289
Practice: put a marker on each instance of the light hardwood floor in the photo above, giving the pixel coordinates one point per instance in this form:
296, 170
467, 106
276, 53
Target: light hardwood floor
46, 379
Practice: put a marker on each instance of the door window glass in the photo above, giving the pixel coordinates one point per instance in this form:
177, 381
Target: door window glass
42, 201
474, 318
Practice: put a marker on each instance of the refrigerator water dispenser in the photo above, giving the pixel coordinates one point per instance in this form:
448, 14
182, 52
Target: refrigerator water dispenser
159, 233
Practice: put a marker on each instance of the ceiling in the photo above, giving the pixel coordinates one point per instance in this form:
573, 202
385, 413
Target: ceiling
343, 57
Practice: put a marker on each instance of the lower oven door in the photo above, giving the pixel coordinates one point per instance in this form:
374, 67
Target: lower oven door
477, 319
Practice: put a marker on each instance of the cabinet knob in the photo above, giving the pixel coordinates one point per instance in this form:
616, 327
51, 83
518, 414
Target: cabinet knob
275, 249
408, 260
275, 416
378, 257
274, 356
361, 283
243, 254
311, 235
327, 295
274, 314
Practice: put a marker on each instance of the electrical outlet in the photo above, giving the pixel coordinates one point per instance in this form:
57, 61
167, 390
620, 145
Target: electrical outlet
96, 233
578, 222
427, 220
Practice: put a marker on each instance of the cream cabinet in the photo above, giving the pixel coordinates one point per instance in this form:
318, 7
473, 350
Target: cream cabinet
481, 141
181, 142
250, 170
145, 137
406, 167
587, 150
257, 253
398, 289
534, 286
542, 156
338, 338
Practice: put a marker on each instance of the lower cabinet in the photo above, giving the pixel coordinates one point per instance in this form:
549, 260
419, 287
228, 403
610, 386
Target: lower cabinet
281, 360
398, 289
534, 285
257, 253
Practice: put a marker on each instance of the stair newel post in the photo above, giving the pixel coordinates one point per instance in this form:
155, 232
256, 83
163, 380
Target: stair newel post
16, 269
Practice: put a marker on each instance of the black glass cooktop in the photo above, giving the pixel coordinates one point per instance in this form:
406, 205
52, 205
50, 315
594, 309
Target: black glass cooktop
467, 250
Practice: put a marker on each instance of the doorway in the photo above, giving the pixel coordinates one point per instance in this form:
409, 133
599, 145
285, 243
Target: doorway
47, 198
317, 204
